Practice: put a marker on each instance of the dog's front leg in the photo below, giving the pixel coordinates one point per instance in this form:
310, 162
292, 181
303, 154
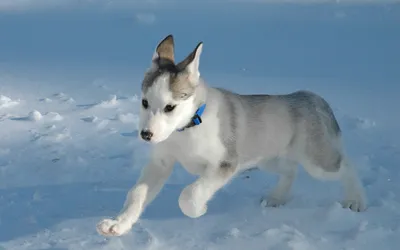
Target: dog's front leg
194, 198
149, 184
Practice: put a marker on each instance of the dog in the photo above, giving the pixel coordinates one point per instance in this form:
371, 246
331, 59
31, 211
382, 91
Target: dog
216, 134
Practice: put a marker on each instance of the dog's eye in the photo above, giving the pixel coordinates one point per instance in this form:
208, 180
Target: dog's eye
145, 103
169, 108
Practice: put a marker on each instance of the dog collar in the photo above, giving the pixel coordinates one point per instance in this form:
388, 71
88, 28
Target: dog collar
196, 119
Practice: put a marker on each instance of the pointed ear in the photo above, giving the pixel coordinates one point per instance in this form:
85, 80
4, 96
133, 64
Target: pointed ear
191, 63
165, 49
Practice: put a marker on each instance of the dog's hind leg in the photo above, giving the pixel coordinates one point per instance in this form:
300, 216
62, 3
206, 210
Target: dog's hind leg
355, 198
287, 171
341, 170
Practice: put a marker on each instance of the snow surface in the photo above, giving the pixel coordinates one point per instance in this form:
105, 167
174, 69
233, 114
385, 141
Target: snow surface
69, 100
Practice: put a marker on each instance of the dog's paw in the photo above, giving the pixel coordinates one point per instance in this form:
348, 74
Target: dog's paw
108, 227
272, 202
189, 205
191, 210
356, 205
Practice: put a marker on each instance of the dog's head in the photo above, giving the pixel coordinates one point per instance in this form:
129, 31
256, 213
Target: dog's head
168, 92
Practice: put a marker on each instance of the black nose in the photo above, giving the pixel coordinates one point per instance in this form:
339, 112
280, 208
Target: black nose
146, 135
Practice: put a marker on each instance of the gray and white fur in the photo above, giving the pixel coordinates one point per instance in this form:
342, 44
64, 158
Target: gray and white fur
238, 132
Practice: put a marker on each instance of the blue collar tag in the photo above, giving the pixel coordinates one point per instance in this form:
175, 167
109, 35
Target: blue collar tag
196, 119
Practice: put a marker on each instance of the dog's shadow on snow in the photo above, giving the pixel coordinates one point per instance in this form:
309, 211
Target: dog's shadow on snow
29, 210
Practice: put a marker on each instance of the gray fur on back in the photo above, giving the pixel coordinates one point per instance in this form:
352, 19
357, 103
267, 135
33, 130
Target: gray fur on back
319, 126
304, 104
304, 113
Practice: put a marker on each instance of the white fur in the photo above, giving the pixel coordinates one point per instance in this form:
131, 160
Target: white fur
160, 123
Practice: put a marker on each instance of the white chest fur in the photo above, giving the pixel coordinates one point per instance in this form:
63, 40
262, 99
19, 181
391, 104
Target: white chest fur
197, 149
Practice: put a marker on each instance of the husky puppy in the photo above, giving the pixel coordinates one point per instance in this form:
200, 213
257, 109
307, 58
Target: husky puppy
216, 134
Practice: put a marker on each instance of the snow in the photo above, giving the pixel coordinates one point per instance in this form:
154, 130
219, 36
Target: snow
69, 102
6, 102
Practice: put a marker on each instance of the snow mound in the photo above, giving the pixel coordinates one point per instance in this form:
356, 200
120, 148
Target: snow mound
109, 103
6, 102
35, 115
54, 116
